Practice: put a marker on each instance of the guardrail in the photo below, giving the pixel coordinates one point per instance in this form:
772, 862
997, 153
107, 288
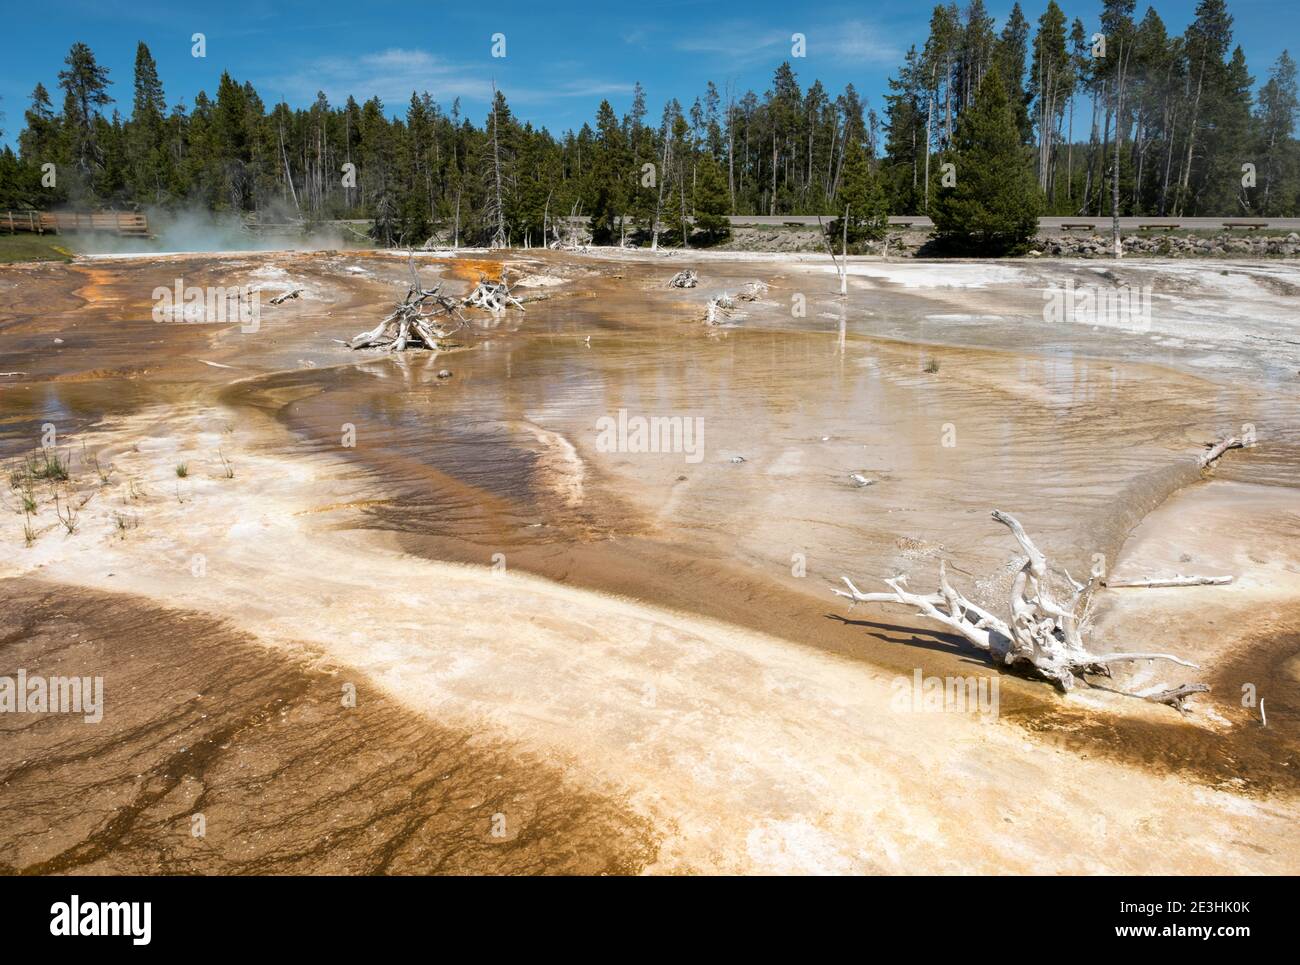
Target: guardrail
129, 224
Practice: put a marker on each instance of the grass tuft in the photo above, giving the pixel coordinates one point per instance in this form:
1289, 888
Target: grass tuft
48, 465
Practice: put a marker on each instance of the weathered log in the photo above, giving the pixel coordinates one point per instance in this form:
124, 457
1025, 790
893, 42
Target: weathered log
1043, 634
283, 297
1175, 696
1171, 581
494, 297
719, 309
686, 278
1211, 455
411, 325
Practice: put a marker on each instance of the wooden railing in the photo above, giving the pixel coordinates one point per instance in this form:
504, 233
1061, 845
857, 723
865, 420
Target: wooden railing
127, 223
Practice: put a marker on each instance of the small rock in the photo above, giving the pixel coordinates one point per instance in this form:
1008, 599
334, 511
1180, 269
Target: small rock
444, 373
860, 480
737, 458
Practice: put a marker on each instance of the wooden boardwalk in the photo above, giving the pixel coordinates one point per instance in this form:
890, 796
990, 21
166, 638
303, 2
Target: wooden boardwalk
124, 223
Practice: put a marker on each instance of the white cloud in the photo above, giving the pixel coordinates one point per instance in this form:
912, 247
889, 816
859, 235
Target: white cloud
735, 42
390, 74
861, 43
851, 41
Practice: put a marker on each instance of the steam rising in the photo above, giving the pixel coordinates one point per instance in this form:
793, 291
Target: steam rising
197, 229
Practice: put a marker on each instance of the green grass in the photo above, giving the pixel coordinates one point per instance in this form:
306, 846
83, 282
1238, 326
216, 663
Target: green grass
31, 247
48, 465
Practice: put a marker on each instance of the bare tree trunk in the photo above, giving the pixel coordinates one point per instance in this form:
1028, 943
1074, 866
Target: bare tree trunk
1117, 246
772, 206
686, 228
663, 180
1264, 208
1069, 157
1191, 140
830, 159
499, 235
288, 175
929, 113
1092, 155
456, 236
731, 150
841, 265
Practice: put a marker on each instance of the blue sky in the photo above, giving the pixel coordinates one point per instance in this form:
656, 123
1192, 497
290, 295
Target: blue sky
561, 60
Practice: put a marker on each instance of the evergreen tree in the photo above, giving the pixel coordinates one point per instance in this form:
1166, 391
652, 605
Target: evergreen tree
864, 197
993, 208
712, 203
1167, 122
231, 136
1051, 85
1230, 143
40, 139
1207, 41
85, 88
1278, 106
146, 139
903, 166
1012, 50
608, 177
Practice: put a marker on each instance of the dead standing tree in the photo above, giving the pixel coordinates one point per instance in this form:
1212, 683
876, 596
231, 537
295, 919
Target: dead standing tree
496, 210
841, 266
1043, 634
663, 178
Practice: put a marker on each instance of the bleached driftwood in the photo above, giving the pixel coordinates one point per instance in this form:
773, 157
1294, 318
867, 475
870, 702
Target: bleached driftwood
283, 297
412, 325
720, 308
686, 278
1211, 455
1043, 633
494, 297
1175, 696
1158, 581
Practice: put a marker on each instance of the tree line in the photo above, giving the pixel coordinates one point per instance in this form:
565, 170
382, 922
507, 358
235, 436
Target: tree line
1171, 118
976, 132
